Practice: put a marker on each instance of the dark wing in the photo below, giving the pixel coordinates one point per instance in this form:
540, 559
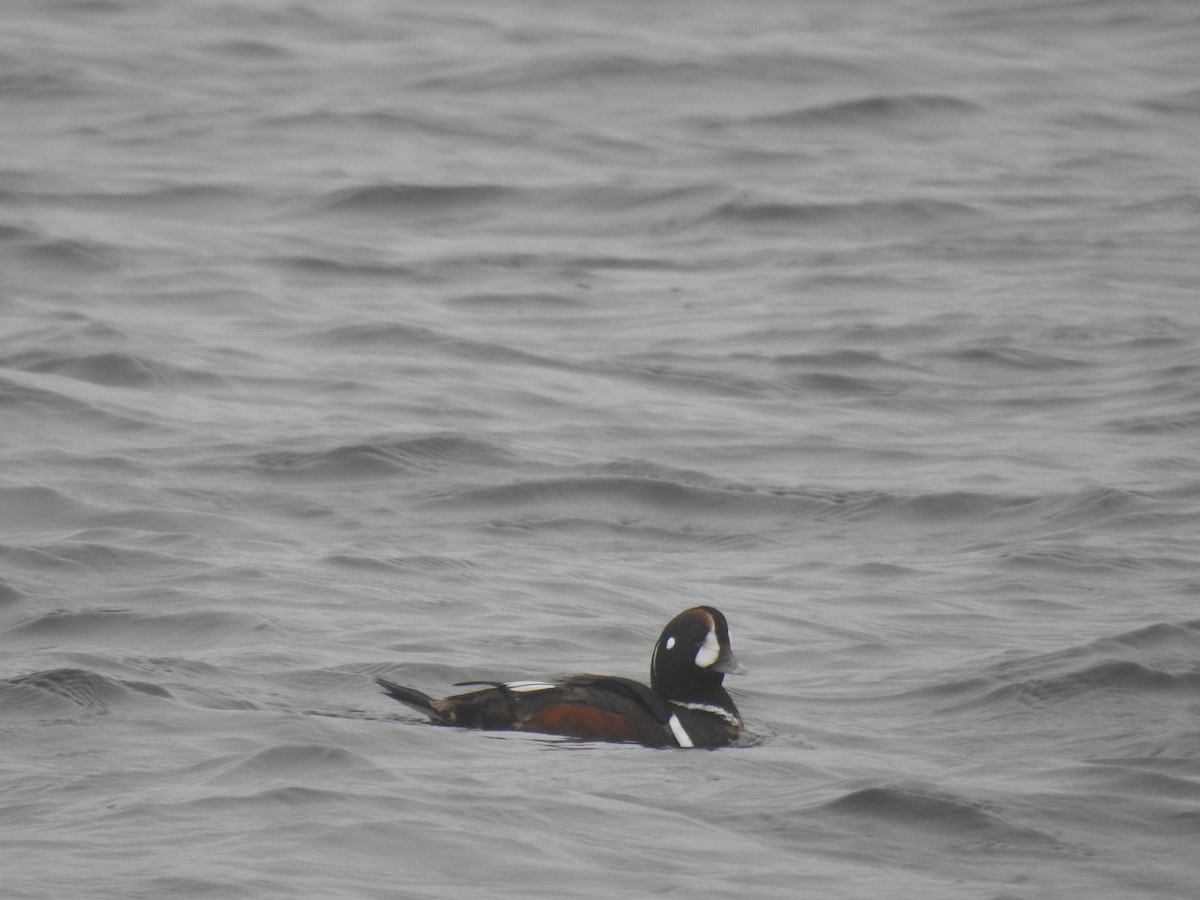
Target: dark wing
603, 691
622, 690
596, 708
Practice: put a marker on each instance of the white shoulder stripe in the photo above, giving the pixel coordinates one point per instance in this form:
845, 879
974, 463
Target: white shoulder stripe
525, 687
677, 729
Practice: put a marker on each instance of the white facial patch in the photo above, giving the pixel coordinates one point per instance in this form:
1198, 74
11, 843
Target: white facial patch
710, 650
670, 644
526, 687
681, 735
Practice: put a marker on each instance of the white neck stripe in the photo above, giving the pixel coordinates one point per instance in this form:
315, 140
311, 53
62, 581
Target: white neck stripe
709, 708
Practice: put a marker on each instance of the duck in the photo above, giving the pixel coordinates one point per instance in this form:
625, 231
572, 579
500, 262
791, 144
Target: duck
684, 706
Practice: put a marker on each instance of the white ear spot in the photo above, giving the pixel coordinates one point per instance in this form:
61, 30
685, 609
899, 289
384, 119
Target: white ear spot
709, 651
670, 643
677, 729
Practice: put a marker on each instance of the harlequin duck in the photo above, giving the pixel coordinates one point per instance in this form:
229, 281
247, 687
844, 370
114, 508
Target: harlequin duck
685, 705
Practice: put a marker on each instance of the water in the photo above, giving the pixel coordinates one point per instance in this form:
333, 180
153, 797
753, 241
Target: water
476, 342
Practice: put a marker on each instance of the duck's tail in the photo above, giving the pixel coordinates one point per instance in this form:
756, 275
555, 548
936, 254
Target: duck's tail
413, 698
